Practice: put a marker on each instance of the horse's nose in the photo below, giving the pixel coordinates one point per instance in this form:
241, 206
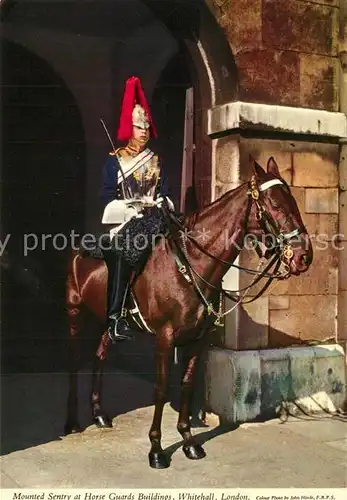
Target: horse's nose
306, 259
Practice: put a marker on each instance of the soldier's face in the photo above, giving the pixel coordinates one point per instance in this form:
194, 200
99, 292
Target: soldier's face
140, 134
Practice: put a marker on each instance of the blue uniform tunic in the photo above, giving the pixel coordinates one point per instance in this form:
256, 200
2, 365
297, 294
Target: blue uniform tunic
110, 190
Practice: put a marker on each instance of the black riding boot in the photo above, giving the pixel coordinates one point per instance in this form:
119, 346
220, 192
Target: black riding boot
118, 279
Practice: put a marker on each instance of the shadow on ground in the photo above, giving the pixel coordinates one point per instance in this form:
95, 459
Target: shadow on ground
35, 380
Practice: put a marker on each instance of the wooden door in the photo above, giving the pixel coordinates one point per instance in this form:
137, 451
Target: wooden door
187, 180
202, 166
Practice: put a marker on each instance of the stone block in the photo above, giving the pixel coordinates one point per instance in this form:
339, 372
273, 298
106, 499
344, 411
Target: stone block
329, 381
343, 214
342, 253
312, 170
318, 377
253, 324
280, 339
222, 188
262, 150
231, 320
230, 340
321, 226
299, 196
275, 378
303, 372
246, 390
331, 3
227, 160
233, 384
309, 317
342, 316
322, 201
219, 381
241, 386
321, 277
343, 167
318, 82
278, 302
242, 23
258, 310
269, 76
286, 26
323, 149
247, 115
246, 327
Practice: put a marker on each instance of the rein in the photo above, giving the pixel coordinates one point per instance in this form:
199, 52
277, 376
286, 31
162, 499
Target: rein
266, 223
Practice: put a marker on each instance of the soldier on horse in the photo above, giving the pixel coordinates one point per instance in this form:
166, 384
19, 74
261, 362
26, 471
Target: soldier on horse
179, 289
133, 187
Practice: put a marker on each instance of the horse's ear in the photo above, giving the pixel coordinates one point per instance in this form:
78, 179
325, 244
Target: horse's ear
272, 167
257, 169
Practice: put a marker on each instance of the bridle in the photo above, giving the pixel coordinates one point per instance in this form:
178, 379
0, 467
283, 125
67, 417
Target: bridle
268, 224
281, 254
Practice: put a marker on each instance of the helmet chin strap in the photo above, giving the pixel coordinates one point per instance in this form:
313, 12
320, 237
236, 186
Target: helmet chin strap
134, 146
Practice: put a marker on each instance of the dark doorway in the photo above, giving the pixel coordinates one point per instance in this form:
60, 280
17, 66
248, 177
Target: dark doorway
42, 193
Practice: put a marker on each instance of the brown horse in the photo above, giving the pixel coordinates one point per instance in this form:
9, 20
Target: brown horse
178, 302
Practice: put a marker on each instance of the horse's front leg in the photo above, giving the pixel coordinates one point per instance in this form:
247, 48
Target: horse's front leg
100, 418
157, 457
191, 449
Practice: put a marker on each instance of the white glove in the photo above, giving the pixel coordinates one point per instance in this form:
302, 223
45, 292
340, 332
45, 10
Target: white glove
160, 201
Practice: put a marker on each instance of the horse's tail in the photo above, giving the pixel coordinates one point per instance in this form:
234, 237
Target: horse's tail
73, 295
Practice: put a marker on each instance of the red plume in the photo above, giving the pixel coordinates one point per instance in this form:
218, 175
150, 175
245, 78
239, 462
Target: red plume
133, 94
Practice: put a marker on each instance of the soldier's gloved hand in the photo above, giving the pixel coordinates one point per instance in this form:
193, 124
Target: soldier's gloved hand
160, 201
148, 200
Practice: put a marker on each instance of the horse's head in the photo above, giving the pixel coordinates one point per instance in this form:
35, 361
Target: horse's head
276, 219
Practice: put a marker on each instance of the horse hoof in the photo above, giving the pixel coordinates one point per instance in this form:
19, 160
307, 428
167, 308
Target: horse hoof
158, 460
72, 428
194, 451
102, 421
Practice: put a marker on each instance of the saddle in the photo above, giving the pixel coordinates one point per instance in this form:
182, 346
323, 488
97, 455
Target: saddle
156, 223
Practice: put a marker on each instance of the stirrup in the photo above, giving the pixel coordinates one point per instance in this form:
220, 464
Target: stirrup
113, 327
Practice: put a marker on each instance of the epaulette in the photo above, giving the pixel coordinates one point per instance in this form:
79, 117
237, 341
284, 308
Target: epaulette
113, 153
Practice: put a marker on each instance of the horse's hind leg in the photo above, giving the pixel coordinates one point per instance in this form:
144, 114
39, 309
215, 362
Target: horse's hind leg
191, 449
72, 424
100, 418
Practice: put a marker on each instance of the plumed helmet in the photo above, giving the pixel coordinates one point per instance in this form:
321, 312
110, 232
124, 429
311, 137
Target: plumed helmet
140, 117
135, 110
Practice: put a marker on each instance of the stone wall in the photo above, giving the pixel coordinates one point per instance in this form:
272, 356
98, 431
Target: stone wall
301, 308
305, 307
286, 52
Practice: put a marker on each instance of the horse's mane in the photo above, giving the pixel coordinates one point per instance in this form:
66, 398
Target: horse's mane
191, 219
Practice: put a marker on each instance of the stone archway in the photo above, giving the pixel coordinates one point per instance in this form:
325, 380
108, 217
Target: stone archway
42, 169
81, 50
213, 71
195, 25
43, 145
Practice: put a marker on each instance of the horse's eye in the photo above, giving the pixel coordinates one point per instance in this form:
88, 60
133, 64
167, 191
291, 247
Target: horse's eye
275, 204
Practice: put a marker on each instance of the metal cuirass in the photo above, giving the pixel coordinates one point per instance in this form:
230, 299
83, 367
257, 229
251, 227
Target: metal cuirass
142, 177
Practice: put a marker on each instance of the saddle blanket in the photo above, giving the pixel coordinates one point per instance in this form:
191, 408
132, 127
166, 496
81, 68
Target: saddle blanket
134, 241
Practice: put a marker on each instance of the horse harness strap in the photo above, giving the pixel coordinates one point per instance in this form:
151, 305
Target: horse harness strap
266, 222
181, 267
